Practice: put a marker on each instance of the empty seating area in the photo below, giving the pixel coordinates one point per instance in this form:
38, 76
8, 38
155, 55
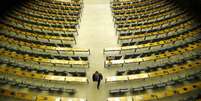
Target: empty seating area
32, 97
37, 51
60, 50
160, 94
157, 40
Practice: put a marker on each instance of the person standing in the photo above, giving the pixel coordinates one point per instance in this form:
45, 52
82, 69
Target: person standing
97, 77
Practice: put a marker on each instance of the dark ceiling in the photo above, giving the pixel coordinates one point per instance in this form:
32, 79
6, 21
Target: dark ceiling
193, 5
7, 4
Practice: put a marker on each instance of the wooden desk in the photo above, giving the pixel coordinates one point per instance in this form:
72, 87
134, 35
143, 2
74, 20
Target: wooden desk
25, 96
76, 79
155, 74
34, 97
72, 99
46, 98
128, 98
185, 89
148, 97
44, 60
158, 95
169, 93
21, 73
160, 43
43, 47
158, 73
138, 98
116, 78
7, 93
135, 60
115, 62
54, 78
138, 76
154, 57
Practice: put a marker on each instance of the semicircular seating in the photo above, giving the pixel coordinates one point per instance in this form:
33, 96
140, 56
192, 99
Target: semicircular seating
37, 39
159, 46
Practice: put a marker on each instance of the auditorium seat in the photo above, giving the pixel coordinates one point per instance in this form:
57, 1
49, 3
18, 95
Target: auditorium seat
30, 97
37, 51
156, 56
154, 39
141, 90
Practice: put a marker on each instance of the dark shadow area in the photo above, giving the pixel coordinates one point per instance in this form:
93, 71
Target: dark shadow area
194, 6
5, 5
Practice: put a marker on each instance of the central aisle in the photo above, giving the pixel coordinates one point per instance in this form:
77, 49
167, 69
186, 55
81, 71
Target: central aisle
96, 33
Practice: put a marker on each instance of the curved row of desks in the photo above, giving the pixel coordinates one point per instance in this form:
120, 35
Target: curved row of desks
171, 70
40, 76
34, 97
161, 94
167, 54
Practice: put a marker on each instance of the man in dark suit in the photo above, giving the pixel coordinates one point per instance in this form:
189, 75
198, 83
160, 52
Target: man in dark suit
97, 77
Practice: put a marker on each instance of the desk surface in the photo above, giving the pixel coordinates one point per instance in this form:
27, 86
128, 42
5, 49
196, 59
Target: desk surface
41, 76
33, 97
170, 70
158, 95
